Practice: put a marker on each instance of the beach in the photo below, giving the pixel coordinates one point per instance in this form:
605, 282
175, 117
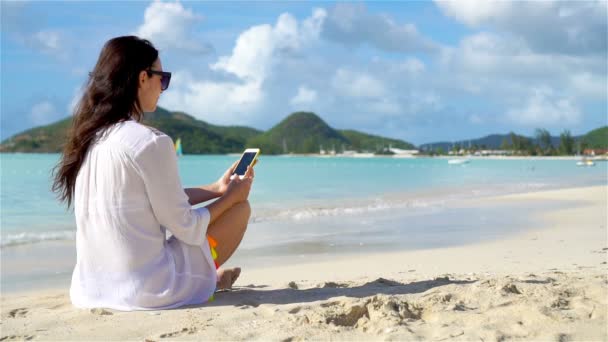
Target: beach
548, 282
424, 171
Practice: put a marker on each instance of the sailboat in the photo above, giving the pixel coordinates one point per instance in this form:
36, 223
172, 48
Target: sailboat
585, 162
458, 161
178, 147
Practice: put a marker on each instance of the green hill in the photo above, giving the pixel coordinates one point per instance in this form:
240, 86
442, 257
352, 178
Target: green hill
598, 138
300, 132
305, 132
362, 141
197, 136
45, 139
490, 142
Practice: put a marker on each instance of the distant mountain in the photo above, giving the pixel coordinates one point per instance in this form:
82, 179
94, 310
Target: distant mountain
361, 141
490, 142
298, 133
305, 132
597, 138
45, 139
199, 137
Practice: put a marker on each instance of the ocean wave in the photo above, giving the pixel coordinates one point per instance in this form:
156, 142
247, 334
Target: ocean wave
25, 238
326, 208
424, 203
319, 211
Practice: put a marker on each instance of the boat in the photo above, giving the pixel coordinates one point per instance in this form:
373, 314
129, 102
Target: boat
363, 155
404, 155
458, 161
178, 147
585, 162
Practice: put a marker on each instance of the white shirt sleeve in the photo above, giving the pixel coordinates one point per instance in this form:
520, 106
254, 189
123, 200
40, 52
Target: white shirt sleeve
157, 164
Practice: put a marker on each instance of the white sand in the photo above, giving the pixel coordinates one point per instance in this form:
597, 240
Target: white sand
547, 284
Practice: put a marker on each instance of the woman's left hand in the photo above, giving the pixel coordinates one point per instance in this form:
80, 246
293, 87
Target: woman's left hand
222, 184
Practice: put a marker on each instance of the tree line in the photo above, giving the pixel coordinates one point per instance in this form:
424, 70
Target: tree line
540, 145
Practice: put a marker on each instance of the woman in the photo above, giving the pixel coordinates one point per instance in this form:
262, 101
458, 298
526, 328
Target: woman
122, 179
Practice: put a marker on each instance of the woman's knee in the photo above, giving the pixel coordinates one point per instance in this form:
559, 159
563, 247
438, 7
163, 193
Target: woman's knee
244, 210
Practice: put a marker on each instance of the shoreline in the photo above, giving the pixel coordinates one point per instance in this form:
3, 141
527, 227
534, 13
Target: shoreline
472, 157
368, 155
58, 256
445, 193
546, 283
460, 258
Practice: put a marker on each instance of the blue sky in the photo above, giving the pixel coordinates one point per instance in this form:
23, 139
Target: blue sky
417, 71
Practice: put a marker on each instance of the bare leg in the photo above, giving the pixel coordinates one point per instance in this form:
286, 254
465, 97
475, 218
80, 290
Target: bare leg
228, 230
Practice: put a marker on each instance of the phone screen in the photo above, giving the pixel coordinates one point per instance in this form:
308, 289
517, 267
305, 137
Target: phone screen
245, 161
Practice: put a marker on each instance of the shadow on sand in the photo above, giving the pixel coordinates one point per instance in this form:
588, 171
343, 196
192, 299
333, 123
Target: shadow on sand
250, 296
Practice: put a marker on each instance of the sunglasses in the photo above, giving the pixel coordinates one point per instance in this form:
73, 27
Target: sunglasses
165, 78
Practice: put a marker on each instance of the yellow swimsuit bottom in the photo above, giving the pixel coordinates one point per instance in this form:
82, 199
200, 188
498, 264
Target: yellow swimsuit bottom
212, 245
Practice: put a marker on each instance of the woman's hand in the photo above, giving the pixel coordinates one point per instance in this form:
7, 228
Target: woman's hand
238, 189
221, 185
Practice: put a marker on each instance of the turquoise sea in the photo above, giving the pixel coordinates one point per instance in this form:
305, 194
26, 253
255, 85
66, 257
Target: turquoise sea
315, 206
297, 188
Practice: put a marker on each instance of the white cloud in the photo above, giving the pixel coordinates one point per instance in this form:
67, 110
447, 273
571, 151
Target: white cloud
385, 106
168, 25
563, 27
218, 102
475, 119
20, 25
592, 85
474, 12
48, 40
256, 51
251, 56
545, 108
422, 103
298, 62
305, 96
42, 113
485, 63
357, 84
411, 66
352, 25
258, 47
485, 52
312, 26
254, 83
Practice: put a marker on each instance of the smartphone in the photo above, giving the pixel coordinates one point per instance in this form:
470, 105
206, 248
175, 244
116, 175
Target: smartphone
249, 157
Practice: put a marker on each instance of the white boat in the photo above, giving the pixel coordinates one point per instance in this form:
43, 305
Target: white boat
458, 161
585, 162
363, 155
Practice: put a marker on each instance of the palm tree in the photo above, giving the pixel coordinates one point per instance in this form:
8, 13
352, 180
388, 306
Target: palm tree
544, 139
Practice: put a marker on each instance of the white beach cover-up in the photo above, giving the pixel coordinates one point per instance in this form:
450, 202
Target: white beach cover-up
128, 193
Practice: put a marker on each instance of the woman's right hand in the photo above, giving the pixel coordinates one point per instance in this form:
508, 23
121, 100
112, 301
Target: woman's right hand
238, 189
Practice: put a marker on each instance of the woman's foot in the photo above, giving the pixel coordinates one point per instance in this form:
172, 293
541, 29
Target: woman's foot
227, 277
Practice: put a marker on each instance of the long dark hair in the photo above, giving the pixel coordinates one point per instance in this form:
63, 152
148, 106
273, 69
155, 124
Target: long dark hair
110, 96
